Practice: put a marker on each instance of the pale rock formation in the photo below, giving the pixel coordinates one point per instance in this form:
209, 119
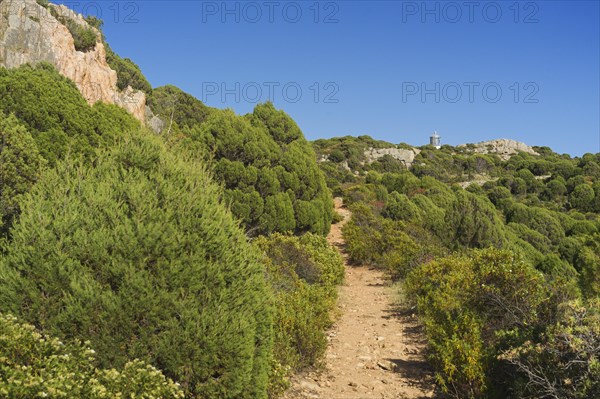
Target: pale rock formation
405, 156
153, 121
504, 148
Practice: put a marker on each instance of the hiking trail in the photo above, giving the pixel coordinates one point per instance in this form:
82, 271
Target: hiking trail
375, 350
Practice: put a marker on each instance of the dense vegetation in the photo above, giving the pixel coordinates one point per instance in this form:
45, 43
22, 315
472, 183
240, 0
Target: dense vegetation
43, 117
504, 273
56, 115
130, 255
135, 251
268, 169
20, 167
177, 108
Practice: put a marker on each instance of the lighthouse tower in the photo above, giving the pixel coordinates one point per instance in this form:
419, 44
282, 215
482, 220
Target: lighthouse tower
435, 140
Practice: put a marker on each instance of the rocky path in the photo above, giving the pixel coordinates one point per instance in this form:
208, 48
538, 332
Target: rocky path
375, 350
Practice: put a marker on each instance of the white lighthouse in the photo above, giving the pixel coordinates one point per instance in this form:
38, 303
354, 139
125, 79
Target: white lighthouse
435, 140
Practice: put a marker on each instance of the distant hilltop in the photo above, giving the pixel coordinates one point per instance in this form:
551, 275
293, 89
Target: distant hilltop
504, 148
367, 150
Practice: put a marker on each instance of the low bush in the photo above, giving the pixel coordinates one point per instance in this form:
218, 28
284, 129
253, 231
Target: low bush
473, 306
337, 217
20, 167
35, 365
393, 246
565, 364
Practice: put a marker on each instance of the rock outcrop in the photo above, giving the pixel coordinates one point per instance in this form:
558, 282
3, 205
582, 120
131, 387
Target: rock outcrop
405, 156
29, 33
504, 148
153, 121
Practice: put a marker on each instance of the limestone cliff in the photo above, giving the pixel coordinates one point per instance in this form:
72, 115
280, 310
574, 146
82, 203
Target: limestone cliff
29, 33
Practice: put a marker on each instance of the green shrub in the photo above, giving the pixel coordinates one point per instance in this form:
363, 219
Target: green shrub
587, 263
389, 164
555, 190
538, 240
473, 306
52, 109
84, 38
498, 193
137, 254
359, 193
20, 167
336, 156
330, 262
128, 72
170, 102
582, 197
400, 207
278, 214
337, 217
432, 217
364, 223
35, 365
383, 243
403, 183
541, 220
474, 222
261, 155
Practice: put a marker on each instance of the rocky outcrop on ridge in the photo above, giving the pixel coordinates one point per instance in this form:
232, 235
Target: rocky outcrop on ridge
504, 148
405, 156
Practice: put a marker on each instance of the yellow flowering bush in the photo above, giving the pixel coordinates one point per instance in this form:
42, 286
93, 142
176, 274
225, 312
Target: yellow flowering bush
35, 366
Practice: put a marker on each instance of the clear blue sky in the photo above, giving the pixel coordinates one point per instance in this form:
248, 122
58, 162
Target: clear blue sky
372, 60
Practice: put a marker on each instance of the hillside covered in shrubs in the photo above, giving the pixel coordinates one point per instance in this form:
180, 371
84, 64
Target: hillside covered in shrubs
193, 263
504, 274
139, 245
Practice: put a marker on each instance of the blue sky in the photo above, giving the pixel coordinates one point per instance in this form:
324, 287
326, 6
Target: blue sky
395, 70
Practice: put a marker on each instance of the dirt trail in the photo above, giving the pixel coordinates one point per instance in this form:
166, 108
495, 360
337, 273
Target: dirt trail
375, 350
